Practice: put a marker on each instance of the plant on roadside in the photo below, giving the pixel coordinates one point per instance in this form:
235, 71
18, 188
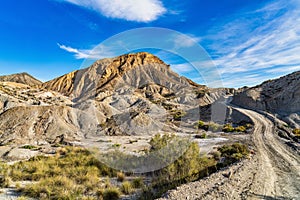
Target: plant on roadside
111, 194
137, 183
126, 187
233, 153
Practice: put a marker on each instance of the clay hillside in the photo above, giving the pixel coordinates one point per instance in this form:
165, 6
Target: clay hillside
279, 96
133, 94
23, 78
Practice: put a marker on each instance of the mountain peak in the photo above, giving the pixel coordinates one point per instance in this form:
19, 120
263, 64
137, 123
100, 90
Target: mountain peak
139, 58
133, 68
22, 77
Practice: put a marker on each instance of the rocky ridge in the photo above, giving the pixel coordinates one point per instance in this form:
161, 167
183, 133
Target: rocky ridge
23, 78
278, 96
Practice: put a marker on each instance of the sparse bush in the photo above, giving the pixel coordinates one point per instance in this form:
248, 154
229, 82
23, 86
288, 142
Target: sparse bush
216, 155
208, 126
202, 125
126, 187
240, 129
5, 181
59, 187
215, 127
296, 132
137, 183
76, 170
177, 115
111, 194
120, 176
99, 194
233, 153
160, 141
188, 167
187, 164
228, 128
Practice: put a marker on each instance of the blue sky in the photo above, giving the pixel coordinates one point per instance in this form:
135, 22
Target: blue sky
248, 41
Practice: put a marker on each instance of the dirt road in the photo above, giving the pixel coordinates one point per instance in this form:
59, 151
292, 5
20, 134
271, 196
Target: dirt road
272, 173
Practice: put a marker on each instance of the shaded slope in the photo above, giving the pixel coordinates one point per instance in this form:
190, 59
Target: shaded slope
281, 95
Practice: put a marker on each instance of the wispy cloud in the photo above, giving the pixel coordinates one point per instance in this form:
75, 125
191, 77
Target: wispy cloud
182, 68
265, 42
188, 40
130, 10
96, 53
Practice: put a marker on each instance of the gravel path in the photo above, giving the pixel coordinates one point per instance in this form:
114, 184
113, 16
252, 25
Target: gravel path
273, 173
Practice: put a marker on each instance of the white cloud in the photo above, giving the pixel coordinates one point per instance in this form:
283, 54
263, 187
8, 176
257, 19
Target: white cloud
97, 53
130, 10
261, 41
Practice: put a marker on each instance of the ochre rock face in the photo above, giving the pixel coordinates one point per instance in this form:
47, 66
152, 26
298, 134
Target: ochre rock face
104, 72
133, 70
63, 84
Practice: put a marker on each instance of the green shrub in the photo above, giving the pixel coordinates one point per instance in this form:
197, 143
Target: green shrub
126, 187
187, 164
99, 193
240, 129
111, 194
5, 181
216, 155
59, 187
159, 141
215, 127
296, 131
177, 115
72, 168
228, 128
208, 126
120, 176
201, 125
137, 183
234, 152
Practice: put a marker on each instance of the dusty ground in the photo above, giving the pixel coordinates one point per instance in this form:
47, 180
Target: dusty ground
272, 173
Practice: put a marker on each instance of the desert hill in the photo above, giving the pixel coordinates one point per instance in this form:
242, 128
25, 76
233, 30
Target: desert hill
133, 94
23, 78
279, 96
